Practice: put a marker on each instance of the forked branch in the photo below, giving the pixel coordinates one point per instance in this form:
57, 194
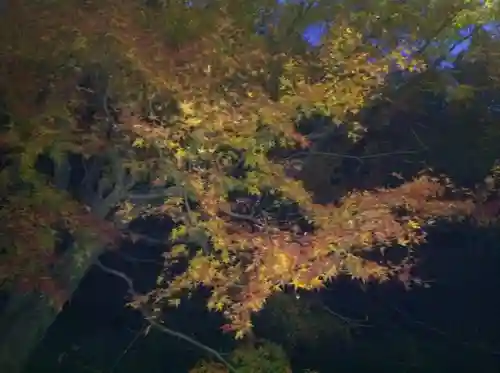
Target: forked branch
149, 318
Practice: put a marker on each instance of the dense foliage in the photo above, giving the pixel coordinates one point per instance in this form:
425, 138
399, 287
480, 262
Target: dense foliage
220, 116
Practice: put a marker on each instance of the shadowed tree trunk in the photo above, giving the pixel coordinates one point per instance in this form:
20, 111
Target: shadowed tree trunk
27, 316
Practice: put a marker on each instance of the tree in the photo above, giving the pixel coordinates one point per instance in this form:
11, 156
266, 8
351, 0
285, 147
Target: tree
267, 357
197, 107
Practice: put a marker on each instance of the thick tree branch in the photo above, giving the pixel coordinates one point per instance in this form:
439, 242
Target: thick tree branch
62, 173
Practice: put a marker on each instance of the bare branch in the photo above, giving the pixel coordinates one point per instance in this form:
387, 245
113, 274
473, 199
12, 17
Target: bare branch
150, 319
174, 191
346, 320
360, 158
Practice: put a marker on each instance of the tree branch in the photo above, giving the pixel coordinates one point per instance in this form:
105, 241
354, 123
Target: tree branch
62, 173
359, 158
174, 191
346, 320
150, 319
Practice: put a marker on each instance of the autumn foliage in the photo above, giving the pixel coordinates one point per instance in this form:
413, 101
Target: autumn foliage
199, 118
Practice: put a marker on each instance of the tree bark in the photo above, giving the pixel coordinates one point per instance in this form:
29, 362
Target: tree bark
28, 316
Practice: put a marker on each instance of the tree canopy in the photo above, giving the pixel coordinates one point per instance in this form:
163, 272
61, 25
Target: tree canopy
221, 116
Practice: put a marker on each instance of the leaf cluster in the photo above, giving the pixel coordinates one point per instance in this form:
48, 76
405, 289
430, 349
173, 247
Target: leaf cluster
238, 95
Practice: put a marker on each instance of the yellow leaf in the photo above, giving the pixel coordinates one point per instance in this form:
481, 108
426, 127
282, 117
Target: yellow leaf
316, 283
174, 302
193, 121
219, 306
139, 142
187, 107
239, 334
413, 224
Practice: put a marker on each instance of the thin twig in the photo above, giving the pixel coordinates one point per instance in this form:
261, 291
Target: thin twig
445, 335
149, 318
360, 158
127, 349
344, 319
132, 259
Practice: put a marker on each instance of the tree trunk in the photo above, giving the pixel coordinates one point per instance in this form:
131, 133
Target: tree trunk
28, 316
